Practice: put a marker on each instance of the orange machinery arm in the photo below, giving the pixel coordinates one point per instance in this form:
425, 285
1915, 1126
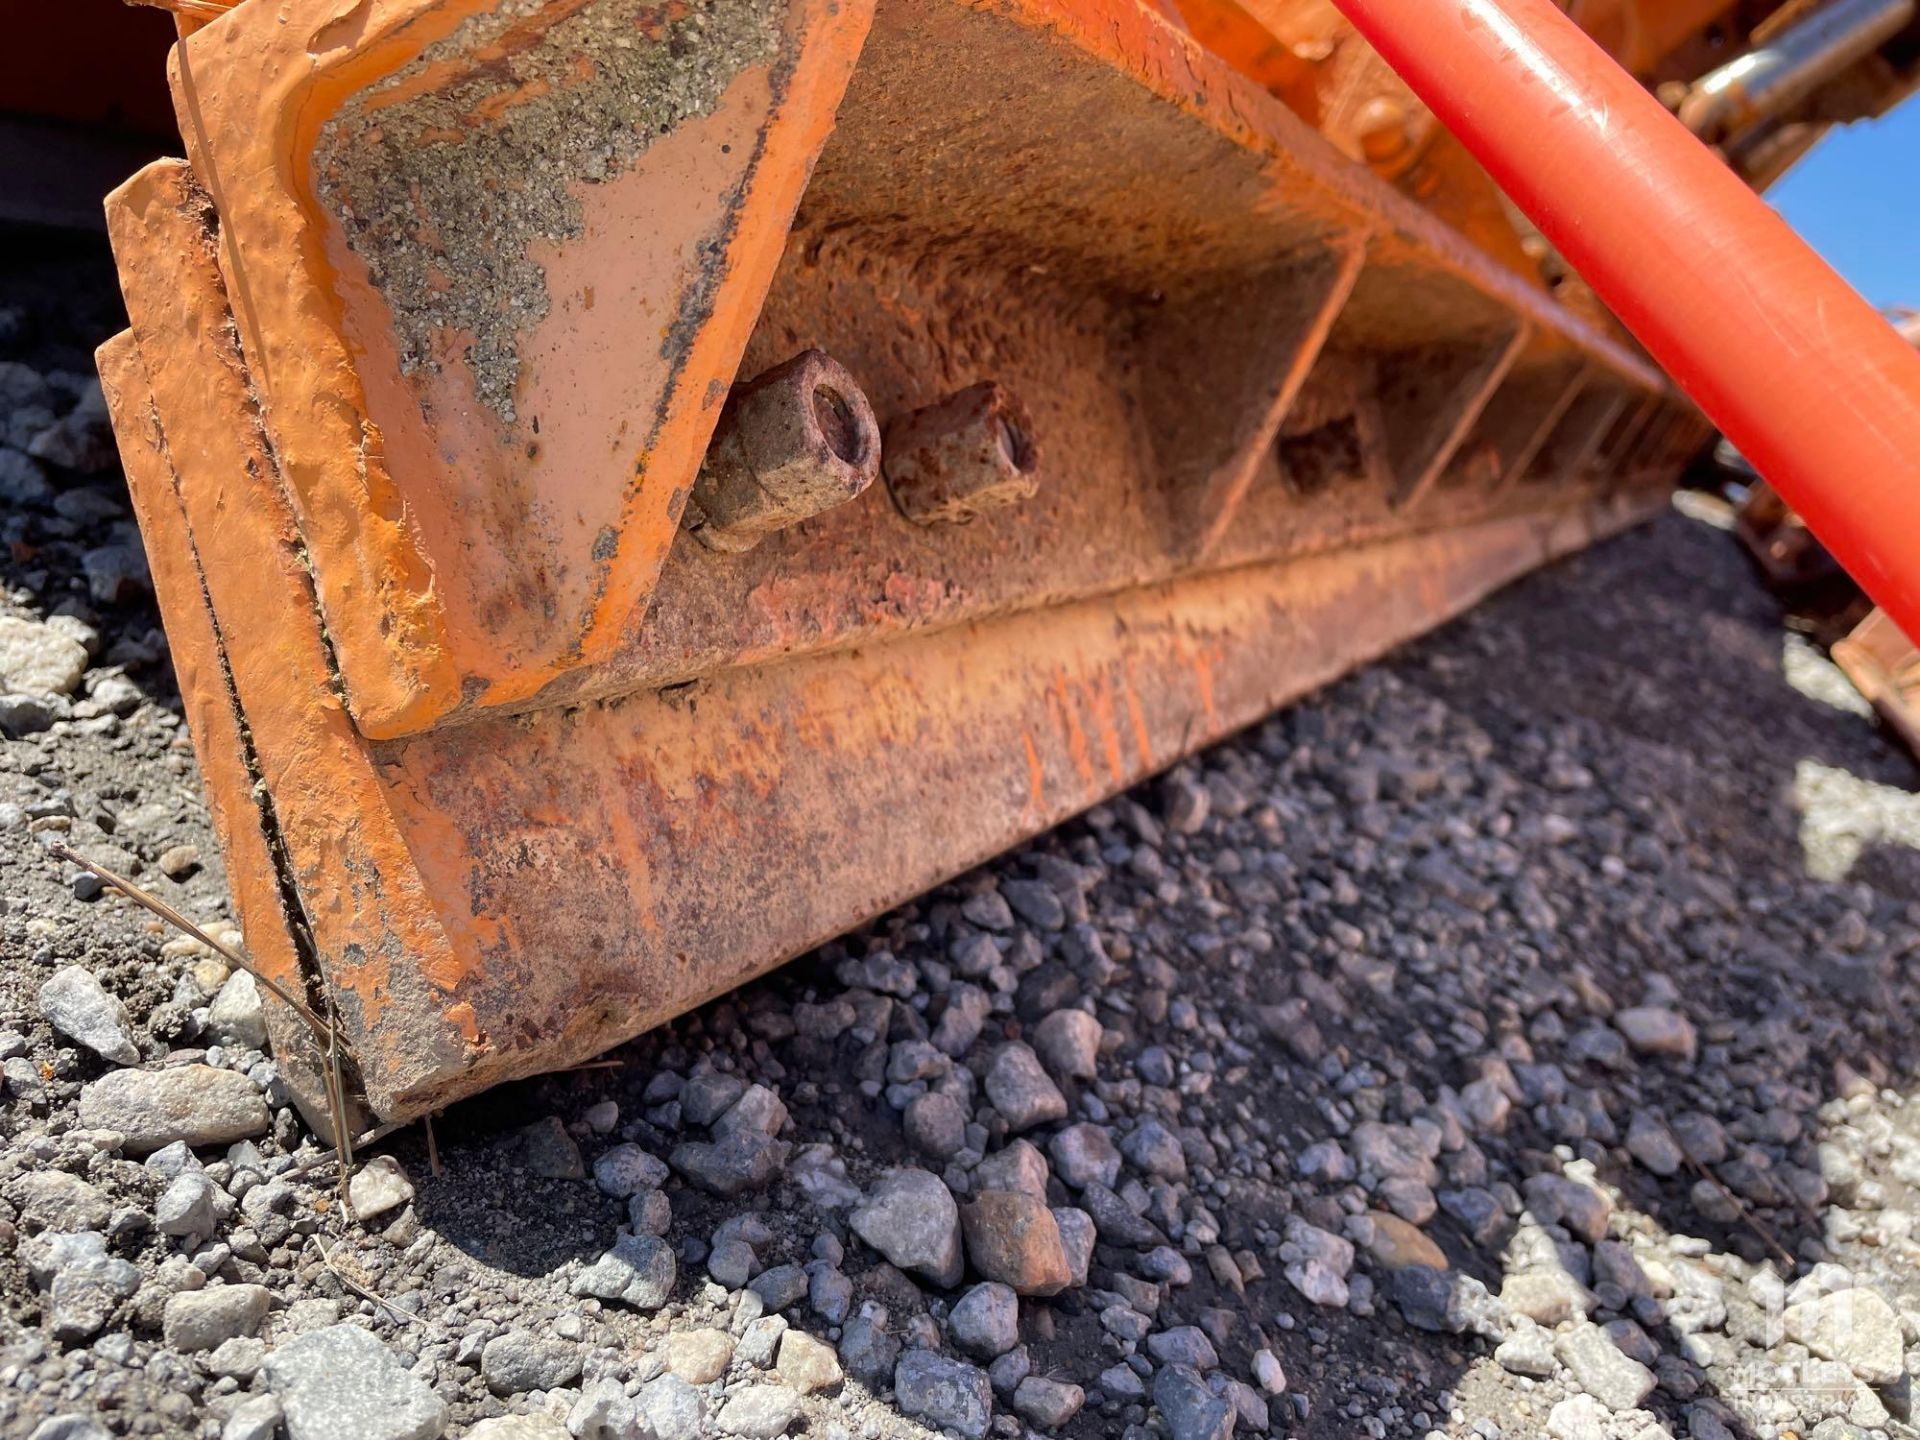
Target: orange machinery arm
1792, 364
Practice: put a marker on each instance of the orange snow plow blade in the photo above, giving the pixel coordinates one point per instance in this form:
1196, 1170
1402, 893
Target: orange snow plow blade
638, 489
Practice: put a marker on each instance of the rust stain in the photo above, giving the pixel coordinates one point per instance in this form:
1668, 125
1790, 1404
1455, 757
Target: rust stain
1060, 702
627, 845
1195, 658
1099, 693
1136, 716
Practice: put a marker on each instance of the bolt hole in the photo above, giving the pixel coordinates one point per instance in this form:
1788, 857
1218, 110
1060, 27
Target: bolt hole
835, 418
1015, 441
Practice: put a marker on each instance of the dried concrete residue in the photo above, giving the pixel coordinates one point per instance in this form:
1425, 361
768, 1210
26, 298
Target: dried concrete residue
445, 194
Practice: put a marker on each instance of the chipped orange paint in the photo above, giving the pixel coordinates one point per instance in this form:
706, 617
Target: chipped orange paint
822, 808
370, 983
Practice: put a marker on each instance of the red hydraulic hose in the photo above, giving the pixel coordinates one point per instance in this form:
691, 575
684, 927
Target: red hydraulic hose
1789, 362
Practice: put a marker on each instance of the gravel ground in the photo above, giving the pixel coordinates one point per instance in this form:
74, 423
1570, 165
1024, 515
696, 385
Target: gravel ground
1511, 1041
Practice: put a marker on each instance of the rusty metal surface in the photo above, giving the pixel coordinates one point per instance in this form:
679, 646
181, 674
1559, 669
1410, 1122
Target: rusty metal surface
588, 871
791, 443
1155, 346
1884, 666
1306, 53
479, 534
951, 462
1269, 421
1700, 55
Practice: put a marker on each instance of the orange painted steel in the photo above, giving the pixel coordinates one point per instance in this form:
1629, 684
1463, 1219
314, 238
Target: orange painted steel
508, 762
477, 529
1308, 54
1808, 380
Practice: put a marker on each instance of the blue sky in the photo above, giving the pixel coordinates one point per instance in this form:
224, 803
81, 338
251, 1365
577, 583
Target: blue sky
1856, 198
